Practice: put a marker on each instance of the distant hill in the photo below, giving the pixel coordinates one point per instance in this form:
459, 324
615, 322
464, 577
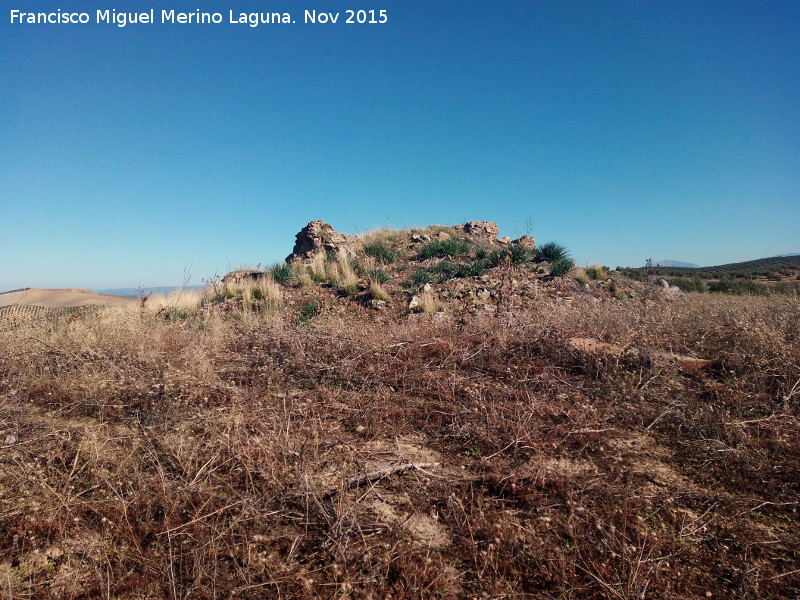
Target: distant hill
772, 268
34, 302
134, 292
675, 263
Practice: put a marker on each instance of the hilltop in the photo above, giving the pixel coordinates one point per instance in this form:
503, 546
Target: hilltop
448, 271
427, 413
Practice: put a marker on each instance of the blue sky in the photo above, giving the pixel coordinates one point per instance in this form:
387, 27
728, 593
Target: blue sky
624, 130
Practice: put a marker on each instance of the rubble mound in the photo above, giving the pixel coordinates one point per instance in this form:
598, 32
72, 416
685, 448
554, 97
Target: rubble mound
485, 231
445, 271
240, 276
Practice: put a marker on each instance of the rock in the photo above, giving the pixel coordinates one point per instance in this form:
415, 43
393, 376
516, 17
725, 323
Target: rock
505, 240
318, 237
420, 238
427, 287
242, 276
485, 231
526, 241
662, 283
686, 363
443, 235
378, 304
593, 346
483, 293
415, 305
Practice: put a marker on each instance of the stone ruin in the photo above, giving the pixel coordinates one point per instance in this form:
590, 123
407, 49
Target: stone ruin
319, 237
485, 231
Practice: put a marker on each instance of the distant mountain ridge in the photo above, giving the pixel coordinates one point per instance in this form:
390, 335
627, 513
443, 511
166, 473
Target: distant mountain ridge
135, 292
675, 263
763, 267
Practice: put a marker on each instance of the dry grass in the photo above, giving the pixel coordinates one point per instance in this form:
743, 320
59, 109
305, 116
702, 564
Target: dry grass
318, 268
377, 292
220, 457
304, 278
342, 274
427, 302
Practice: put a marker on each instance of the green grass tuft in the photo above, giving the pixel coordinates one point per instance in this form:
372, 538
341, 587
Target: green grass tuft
381, 253
444, 248
516, 253
379, 275
281, 272
560, 267
309, 311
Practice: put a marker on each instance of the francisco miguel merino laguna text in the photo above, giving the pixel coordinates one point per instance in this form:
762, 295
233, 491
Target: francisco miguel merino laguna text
252, 19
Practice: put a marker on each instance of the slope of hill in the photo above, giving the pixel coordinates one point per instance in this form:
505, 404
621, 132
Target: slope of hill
435, 413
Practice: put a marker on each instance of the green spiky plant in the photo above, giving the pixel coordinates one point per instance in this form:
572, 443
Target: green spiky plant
281, 272
560, 267
444, 248
381, 253
552, 252
516, 253
379, 275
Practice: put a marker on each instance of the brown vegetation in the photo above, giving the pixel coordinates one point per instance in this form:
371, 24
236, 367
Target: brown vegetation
251, 447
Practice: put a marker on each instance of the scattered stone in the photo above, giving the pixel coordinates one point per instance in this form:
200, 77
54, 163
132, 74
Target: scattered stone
485, 231
378, 304
689, 364
526, 241
483, 293
242, 276
593, 346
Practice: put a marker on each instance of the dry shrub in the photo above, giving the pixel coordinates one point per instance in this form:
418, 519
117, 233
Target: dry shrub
377, 292
346, 281
427, 302
213, 457
318, 267
388, 237
304, 277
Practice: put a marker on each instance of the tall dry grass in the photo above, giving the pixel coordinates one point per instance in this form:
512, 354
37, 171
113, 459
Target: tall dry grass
217, 456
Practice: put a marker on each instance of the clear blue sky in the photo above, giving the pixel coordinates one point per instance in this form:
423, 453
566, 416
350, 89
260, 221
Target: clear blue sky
623, 129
